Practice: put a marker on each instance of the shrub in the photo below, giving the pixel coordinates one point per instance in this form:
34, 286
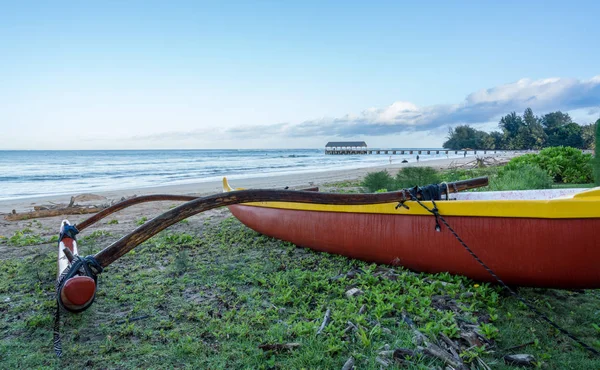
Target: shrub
375, 181
523, 177
416, 176
564, 164
458, 174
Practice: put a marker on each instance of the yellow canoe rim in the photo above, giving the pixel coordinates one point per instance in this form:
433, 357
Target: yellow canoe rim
581, 205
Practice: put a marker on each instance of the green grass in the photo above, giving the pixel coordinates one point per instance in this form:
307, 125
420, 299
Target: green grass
210, 300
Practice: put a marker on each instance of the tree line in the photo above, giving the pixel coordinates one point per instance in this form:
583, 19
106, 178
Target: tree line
525, 132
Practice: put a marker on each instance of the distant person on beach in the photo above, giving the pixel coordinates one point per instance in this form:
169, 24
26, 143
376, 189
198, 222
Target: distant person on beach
417, 158
390, 159
465, 154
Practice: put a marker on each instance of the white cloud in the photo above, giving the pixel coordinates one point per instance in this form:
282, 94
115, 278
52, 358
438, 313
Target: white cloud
481, 108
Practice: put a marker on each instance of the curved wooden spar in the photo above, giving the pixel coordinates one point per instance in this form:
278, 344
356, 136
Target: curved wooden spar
131, 202
198, 205
138, 200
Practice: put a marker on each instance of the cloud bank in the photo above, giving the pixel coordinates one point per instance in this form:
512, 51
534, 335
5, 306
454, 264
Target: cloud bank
479, 107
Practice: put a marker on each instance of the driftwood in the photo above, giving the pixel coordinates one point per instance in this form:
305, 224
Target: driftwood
480, 162
52, 212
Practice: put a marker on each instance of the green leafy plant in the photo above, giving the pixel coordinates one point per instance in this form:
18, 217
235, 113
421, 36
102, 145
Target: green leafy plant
141, 221
564, 164
488, 330
522, 177
375, 181
25, 237
416, 176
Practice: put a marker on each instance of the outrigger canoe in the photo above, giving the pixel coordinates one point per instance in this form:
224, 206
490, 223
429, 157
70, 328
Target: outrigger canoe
541, 238
536, 238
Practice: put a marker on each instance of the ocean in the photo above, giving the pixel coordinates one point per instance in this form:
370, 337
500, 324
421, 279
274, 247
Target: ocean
29, 173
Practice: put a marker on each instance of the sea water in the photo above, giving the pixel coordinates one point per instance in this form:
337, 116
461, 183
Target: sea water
25, 173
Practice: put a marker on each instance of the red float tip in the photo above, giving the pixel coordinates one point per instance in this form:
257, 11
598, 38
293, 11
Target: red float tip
78, 292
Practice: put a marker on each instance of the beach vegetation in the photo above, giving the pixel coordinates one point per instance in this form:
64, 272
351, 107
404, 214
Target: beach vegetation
522, 177
141, 221
114, 221
25, 237
345, 184
564, 164
408, 177
416, 176
375, 181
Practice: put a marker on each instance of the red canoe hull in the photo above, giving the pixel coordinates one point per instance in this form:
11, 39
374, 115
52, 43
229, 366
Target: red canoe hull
558, 253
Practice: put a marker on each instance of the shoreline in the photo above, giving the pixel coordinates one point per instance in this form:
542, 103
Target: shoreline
299, 180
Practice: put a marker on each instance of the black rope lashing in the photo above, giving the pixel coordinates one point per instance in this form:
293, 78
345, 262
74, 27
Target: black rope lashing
438, 217
427, 192
80, 266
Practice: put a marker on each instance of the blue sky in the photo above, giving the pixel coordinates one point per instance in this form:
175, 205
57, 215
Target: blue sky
143, 74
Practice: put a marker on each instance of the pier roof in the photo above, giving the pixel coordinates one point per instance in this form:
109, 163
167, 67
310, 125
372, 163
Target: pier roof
335, 144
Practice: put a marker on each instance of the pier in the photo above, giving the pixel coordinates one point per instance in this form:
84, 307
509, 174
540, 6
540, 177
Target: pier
360, 147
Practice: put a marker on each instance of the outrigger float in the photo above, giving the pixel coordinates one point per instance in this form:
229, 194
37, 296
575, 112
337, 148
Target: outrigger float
543, 238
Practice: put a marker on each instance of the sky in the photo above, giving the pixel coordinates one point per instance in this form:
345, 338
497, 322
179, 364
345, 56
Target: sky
272, 74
